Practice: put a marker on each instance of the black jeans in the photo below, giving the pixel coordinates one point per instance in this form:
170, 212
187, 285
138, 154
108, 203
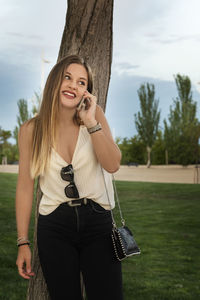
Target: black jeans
71, 239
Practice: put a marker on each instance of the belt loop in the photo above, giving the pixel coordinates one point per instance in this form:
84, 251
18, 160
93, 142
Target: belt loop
85, 200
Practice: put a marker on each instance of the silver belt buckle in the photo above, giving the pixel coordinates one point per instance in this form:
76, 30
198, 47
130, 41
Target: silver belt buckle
70, 203
85, 201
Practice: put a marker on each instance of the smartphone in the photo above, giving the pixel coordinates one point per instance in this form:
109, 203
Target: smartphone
83, 103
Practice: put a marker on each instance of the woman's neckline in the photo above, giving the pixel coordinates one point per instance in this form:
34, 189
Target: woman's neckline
75, 149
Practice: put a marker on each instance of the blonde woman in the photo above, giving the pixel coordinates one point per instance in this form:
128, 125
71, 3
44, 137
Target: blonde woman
70, 147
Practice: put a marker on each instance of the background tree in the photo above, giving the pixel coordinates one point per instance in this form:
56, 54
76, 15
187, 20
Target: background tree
125, 147
4, 151
4, 136
133, 150
137, 150
158, 150
182, 130
7, 151
87, 32
22, 117
147, 120
36, 103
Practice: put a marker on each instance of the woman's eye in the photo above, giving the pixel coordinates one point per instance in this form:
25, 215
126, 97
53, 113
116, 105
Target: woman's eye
67, 76
82, 82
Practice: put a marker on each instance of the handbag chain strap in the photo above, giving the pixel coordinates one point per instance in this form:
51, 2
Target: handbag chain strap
117, 198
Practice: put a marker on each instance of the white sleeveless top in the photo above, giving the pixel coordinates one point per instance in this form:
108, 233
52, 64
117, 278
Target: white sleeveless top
88, 177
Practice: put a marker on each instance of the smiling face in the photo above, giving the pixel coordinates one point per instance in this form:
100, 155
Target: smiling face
73, 86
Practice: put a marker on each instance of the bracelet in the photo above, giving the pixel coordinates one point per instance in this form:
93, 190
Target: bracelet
95, 128
21, 240
23, 244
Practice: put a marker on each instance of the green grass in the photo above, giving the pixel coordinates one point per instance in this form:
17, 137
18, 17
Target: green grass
12, 286
166, 224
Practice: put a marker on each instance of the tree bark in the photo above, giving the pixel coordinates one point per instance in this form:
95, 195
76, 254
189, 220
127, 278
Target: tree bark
166, 157
148, 157
88, 33
37, 289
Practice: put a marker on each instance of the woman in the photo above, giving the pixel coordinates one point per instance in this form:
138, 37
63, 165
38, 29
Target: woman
70, 146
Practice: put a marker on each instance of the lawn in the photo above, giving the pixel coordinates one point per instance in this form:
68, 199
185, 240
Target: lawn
165, 221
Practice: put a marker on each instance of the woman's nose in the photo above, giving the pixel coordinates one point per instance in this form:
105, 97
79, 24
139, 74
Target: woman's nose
72, 84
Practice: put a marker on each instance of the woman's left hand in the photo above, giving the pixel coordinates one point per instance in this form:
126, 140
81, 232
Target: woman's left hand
88, 110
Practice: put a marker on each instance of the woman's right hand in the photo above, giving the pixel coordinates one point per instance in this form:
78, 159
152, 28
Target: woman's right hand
24, 262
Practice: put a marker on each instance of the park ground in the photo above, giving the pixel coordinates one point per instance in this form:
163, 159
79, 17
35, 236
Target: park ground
167, 174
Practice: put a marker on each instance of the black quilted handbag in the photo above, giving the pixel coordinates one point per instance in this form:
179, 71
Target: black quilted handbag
124, 243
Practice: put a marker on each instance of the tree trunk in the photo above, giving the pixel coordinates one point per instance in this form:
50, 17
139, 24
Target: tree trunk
37, 288
166, 157
148, 157
87, 32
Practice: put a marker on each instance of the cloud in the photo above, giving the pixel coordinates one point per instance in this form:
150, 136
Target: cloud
172, 39
25, 36
16, 83
124, 67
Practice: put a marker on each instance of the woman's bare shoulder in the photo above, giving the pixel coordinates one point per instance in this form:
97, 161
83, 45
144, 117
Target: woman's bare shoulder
26, 130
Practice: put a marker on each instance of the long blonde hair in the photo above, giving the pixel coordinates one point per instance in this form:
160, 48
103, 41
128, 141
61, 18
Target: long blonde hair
45, 123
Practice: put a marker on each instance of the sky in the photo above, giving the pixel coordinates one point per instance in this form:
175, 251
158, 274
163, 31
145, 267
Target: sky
153, 40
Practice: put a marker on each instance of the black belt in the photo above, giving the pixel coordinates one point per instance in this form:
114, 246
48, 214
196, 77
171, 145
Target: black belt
78, 202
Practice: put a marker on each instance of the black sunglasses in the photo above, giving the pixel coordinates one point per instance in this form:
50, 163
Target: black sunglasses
67, 174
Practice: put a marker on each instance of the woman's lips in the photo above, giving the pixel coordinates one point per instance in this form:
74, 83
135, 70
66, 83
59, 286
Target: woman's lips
69, 95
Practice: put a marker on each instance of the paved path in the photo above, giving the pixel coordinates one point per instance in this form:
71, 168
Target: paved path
171, 173
9, 168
